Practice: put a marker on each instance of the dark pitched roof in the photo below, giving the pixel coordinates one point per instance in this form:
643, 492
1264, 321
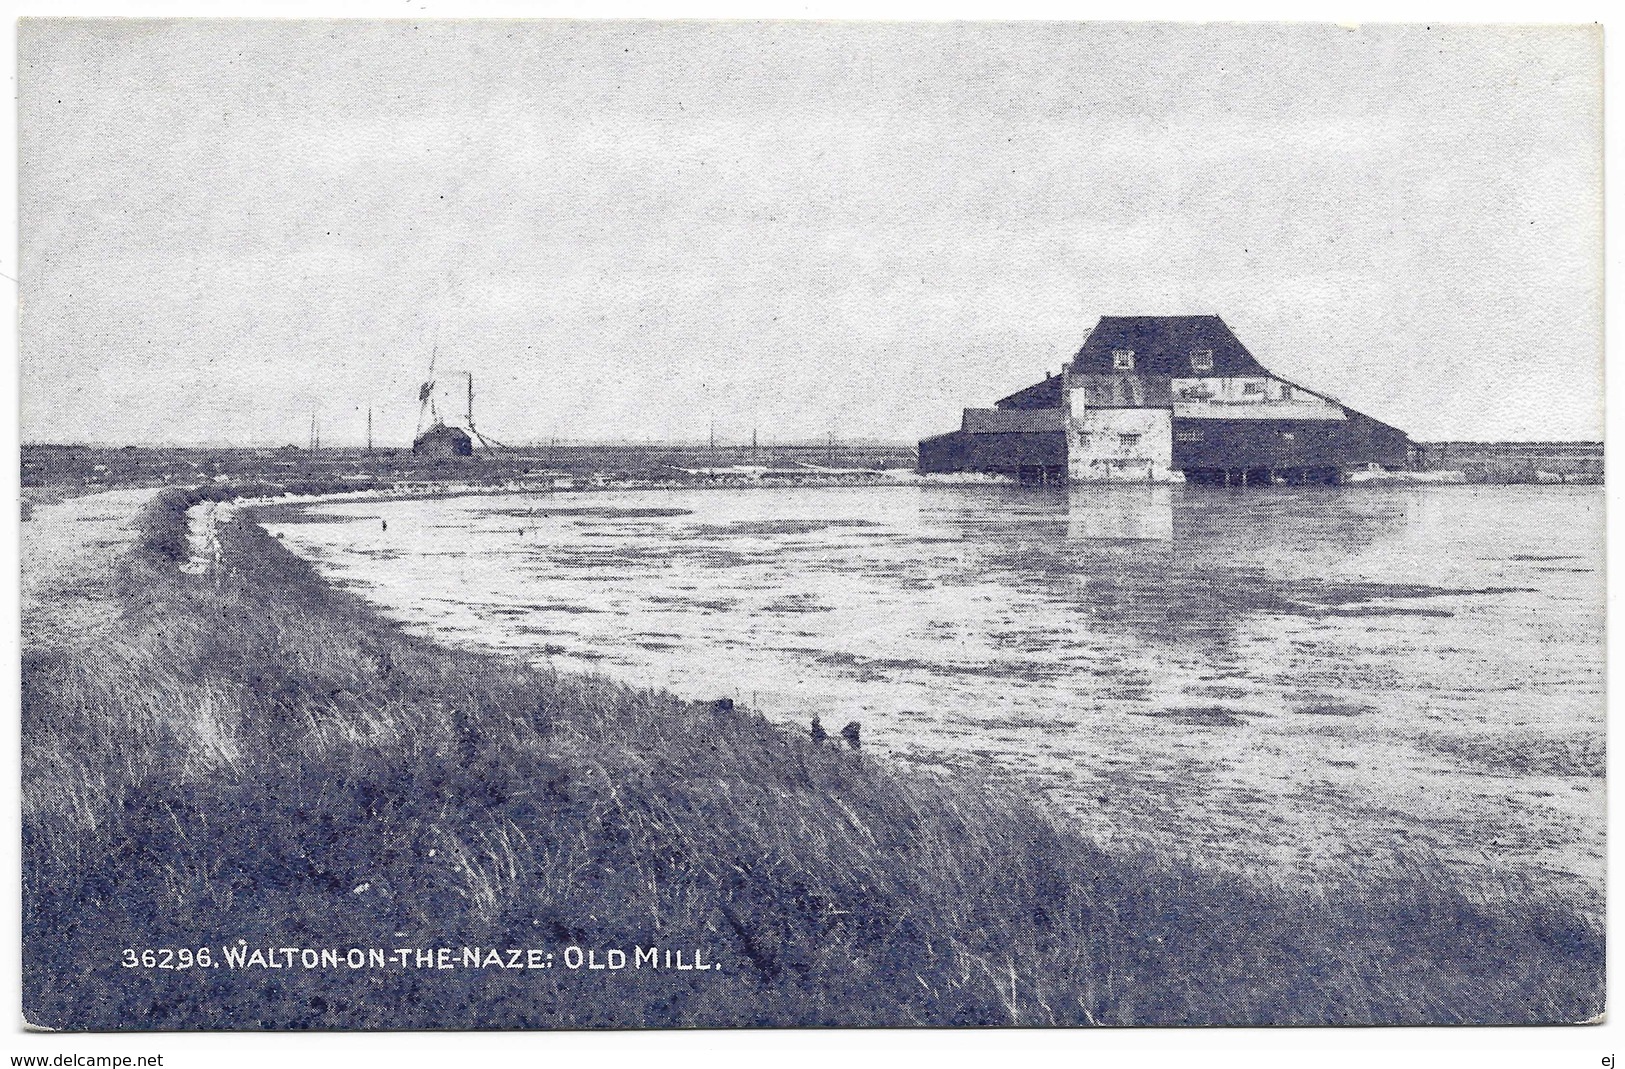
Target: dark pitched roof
1046, 394
1162, 345
1012, 421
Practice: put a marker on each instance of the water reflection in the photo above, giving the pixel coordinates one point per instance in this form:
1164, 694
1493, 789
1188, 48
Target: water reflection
1206, 520
1202, 520
1120, 513
1180, 566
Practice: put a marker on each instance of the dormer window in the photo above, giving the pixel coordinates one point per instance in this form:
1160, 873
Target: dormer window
1123, 359
1201, 359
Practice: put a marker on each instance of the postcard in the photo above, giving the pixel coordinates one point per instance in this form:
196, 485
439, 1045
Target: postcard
547, 524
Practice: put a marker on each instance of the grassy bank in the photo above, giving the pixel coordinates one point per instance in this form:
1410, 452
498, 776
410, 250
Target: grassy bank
258, 756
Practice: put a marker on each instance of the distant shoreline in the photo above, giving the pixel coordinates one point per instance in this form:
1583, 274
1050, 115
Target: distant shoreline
63, 470
692, 446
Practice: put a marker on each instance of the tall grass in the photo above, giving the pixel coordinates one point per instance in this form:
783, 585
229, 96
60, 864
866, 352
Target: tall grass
261, 757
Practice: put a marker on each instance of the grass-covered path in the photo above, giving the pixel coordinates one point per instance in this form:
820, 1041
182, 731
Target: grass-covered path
70, 553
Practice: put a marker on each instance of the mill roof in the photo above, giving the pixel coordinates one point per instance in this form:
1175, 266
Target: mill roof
1163, 345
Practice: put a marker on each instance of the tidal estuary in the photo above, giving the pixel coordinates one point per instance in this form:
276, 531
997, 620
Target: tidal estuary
1293, 682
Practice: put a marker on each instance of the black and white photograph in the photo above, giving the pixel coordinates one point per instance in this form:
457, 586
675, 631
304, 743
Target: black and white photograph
667, 524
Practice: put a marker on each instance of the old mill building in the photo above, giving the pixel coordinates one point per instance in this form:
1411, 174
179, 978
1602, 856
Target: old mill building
1165, 398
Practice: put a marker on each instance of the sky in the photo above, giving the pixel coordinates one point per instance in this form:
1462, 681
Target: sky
634, 231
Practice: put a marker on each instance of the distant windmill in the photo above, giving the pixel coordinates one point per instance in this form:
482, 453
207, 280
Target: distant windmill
442, 439
438, 440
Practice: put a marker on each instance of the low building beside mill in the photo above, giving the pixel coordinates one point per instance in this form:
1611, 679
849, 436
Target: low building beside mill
1165, 398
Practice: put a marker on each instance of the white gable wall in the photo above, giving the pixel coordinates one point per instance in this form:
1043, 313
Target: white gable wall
1120, 444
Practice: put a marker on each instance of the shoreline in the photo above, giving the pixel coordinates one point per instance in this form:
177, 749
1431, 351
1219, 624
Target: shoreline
835, 889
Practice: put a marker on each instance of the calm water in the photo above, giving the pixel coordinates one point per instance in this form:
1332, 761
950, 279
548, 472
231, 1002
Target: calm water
1297, 681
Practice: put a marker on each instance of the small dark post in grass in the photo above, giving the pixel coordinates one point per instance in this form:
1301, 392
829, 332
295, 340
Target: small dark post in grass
850, 734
